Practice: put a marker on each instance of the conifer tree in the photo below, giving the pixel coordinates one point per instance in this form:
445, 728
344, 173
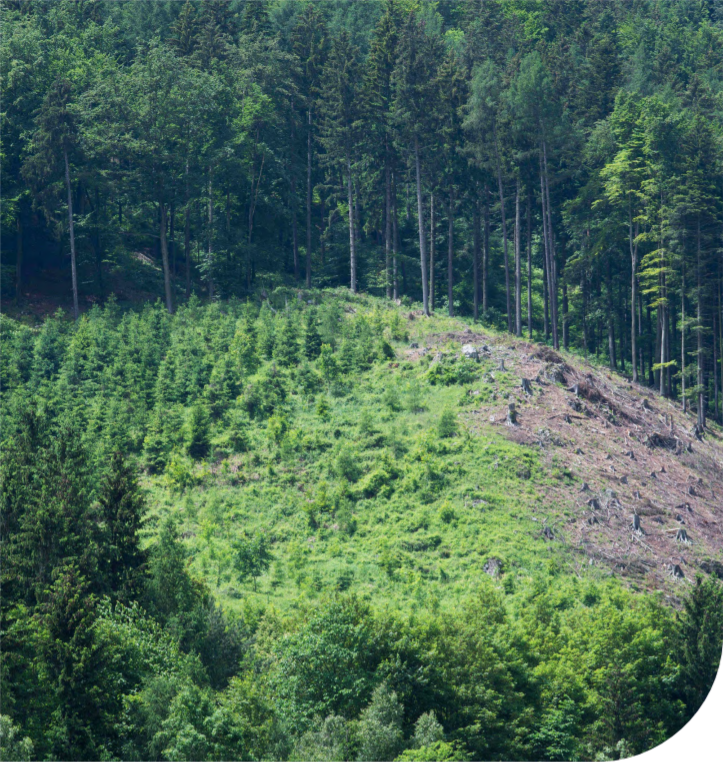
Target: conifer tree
312, 338
122, 508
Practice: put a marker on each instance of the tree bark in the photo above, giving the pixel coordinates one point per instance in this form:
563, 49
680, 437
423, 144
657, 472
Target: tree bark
476, 236
387, 220
485, 250
187, 235
682, 336
611, 324
395, 238
308, 203
352, 237
553, 258
518, 265
504, 231
450, 253
210, 236
432, 226
529, 263
699, 299
634, 286
420, 220
73, 267
164, 256
19, 258
546, 260
96, 246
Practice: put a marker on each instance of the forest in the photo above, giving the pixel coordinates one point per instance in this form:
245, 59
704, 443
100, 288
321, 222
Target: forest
271, 272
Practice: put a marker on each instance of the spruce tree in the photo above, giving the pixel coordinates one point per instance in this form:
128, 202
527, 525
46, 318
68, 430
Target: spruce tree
122, 509
312, 338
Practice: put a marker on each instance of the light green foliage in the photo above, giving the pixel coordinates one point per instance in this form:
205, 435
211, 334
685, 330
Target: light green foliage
13, 746
447, 424
252, 557
197, 432
345, 536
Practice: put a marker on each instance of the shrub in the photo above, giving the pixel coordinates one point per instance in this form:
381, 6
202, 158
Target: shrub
447, 424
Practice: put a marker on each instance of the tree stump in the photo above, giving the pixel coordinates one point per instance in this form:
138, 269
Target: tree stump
526, 386
501, 366
682, 536
594, 503
636, 524
511, 415
676, 572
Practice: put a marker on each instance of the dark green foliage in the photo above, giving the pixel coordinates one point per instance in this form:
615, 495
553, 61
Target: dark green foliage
197, 432
121, 512
312, 338
214, 154
699, 642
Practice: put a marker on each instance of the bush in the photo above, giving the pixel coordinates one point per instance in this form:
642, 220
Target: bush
446, 372
447, 424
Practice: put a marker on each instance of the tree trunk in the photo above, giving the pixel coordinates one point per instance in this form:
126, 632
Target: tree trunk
715, 370
504, 231
476, 236
395, 238
308, 204
634, 286
450, 253
210, 236
187, 235
518, 264
485, 250
387, 220
97, 248
529, 263
565, 315
73, 268
432, 226
611, 324
164, 256
19, 258
699, 299
553, 258
682, 337
172, 238
420, 220
294, 231
546, 257
352, 237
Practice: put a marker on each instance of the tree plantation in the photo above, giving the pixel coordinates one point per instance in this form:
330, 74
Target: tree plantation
361, 377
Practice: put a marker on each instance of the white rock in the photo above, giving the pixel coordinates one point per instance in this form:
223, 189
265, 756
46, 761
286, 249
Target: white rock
470, 352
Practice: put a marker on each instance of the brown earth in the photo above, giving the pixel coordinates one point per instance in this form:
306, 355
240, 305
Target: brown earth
631, 451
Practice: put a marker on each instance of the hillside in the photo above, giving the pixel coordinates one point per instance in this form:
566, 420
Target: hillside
304, 528
367, 496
